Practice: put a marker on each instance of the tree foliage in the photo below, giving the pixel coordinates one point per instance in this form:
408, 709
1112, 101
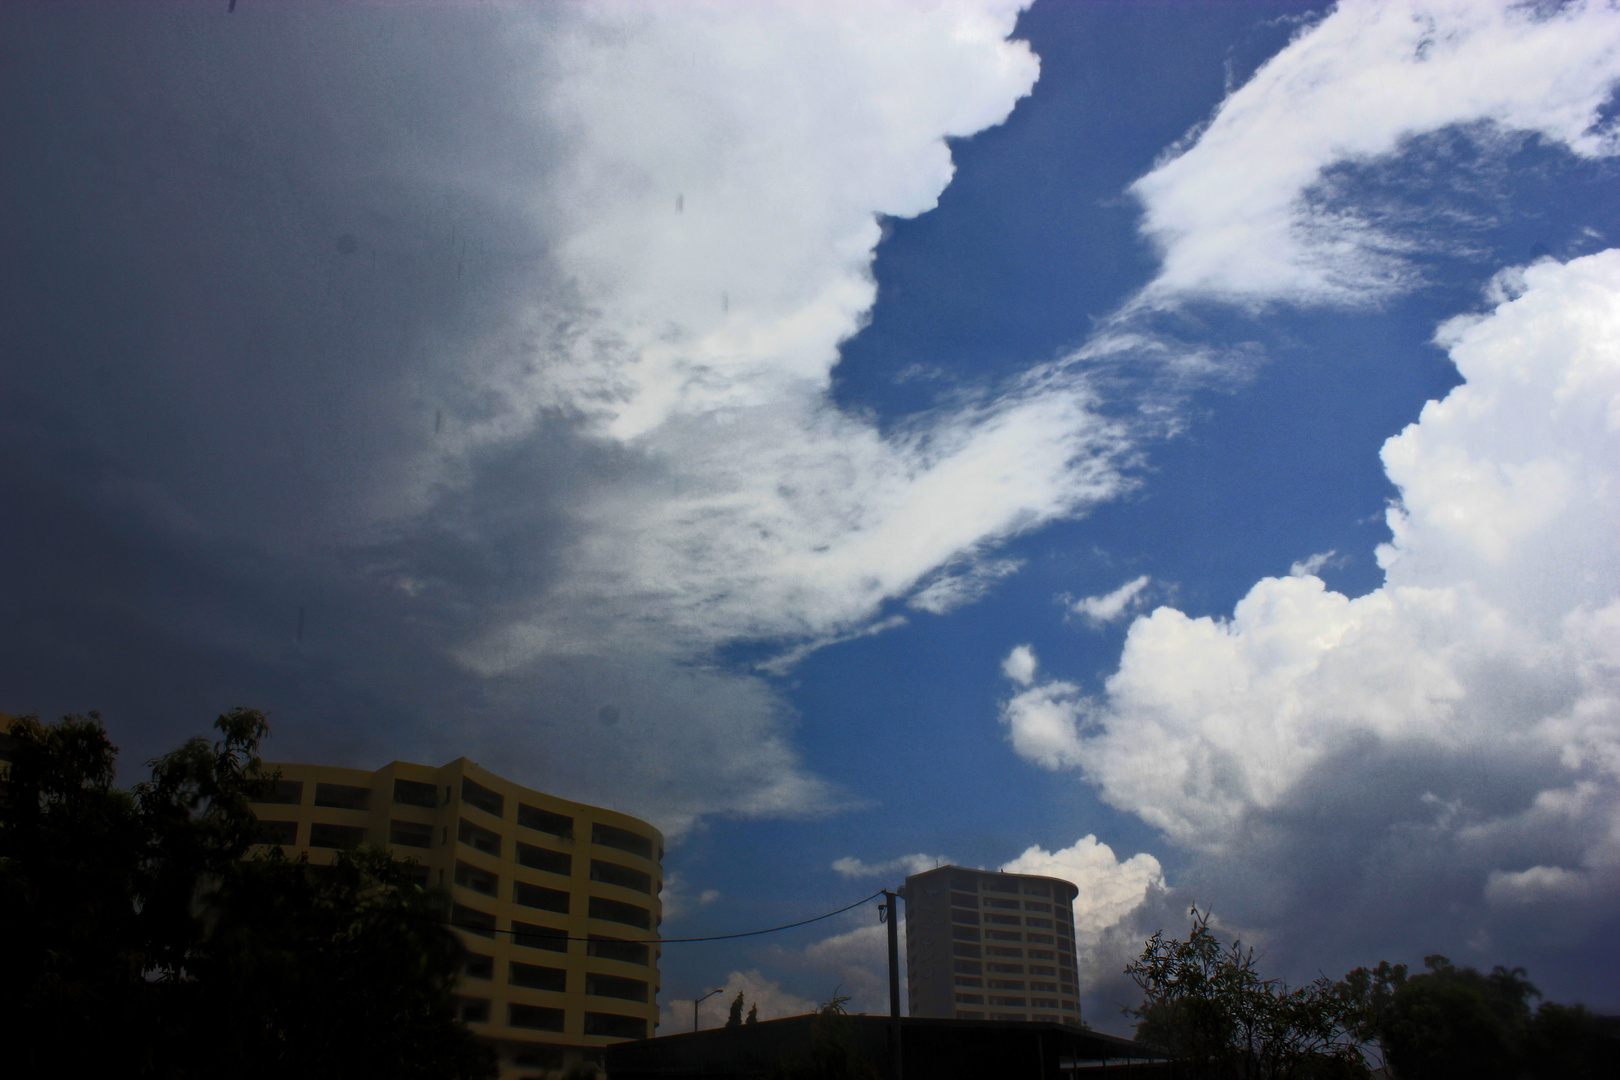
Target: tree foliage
1451, 1023
831, 1053
142, 941
1205, 1002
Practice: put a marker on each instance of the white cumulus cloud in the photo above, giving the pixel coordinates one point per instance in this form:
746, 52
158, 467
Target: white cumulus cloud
903, 866
1495, 636
1110, 889
1113, 606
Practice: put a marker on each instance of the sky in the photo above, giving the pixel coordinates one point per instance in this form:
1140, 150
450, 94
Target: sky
1173, 446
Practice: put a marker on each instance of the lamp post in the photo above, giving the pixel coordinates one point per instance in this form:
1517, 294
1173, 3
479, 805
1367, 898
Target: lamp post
697, 1001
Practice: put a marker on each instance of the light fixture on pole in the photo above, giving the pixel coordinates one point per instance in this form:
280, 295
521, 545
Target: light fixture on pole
698, 1001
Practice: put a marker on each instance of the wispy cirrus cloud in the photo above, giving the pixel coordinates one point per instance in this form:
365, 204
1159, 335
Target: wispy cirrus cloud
1243, 212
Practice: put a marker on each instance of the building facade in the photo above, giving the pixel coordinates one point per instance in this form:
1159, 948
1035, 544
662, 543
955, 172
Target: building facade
982, 945
557, 901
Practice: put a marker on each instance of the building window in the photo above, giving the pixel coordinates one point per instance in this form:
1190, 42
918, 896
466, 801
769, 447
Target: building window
1007, 969
629, 952
534, 1017
476, 794
325, 835
281, 792
1047, 987
620, 912
960, 916
614, 874
1006, 984
1030, 920
532, 817
965, 882
1069, 1006
1033, 889
473, 1010
416, 793
1002, 950
614, 837
616, 986
997, 1000
538, 896
1031, 905
276, 832
1043, 1003
963, 1014
1067, 989
479, 966
1006, 1016
1041, 969
410, 834
1001, 884
536, 977
965, 933
531, 936
969, 967
962, 948
539, 858
969, 980
1005, 935
1004, 920
342, 796
991, 901
1040, 939
416, 874
479, 838
1040, 954
472, 920
471, 877
614, 1026
970, 999
965, 899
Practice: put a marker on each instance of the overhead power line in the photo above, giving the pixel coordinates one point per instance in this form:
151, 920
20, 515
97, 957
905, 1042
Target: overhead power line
669, 941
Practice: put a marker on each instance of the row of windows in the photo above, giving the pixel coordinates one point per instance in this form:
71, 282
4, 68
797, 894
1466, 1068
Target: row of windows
973, 918
417, 793
489, 842
550, 938
544, 899
970, 901
540, 977
541, 1018
998, 883
962, 948
417, 835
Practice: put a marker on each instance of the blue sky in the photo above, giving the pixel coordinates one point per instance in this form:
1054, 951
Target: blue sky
1171, 445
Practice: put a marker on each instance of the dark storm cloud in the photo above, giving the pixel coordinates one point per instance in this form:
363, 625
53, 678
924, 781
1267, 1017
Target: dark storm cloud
245, 257
1384, 852
178, 284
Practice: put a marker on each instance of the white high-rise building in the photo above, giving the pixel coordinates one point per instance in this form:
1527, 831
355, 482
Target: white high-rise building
982, 945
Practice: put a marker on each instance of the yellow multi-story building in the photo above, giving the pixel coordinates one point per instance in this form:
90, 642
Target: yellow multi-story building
557, 901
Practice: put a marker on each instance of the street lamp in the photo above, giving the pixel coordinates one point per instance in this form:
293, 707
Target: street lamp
697, 1001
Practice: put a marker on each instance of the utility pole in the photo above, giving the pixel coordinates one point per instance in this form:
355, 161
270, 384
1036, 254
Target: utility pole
890, 909
697, 1001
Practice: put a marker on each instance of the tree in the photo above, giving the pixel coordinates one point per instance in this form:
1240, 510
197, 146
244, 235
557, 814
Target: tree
734, 1017
1452, 1022
154, 948
1206, 1004
753, 1014
831, 1052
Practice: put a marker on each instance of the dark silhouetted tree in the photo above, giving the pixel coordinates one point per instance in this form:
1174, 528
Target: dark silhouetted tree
1206, 1003
734, 1017
142, 942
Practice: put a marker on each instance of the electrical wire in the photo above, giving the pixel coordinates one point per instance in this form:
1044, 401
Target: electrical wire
668, 941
